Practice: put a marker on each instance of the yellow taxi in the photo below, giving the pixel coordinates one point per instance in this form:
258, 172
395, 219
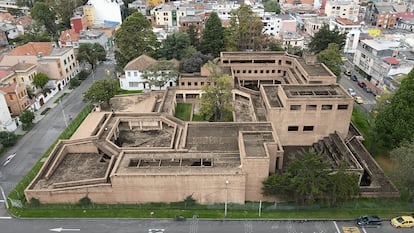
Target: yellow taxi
402, 221
358, 100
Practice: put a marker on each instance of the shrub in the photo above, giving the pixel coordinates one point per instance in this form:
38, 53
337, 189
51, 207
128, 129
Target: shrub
34, 202
7, 139
85, 201
74, 83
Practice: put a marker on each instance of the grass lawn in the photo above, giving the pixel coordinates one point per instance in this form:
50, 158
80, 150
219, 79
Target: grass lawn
183, 111
124, 92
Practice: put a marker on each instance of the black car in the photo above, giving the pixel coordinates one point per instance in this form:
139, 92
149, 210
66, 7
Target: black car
179, 218
368, 220
354, 78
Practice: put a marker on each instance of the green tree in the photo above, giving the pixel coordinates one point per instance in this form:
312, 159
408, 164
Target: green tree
44, 13
40, 80
8, 139
74, 83
324, 37
194, 63
91, 53
245, 30
271, 6
160, 73
308, 180
213, 36
134, 38
216, 99
27, 117
403, 172
192, 33
174, 45
395, 123
331, 57
102, 91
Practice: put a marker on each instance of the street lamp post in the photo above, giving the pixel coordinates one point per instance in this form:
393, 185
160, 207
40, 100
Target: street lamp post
227, 197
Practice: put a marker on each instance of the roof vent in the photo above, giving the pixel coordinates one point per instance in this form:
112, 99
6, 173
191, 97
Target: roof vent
40, 54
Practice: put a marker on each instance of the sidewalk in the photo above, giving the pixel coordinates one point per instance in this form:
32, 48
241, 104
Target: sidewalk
49, 104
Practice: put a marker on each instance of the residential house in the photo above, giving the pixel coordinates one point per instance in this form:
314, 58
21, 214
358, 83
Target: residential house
351, 29
382, 15
348, 9
69, 39
16, 97
313, 24
293, 39
167, 16
133, 80
59, 64
92, 37
7, 123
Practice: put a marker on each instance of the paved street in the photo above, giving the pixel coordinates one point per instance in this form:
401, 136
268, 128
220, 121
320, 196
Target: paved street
190, 226
47, 129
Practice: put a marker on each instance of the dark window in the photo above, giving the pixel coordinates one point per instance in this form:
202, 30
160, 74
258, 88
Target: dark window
342, 106
188, 83
288, 63
327, 107
294, 107
311, 107
293, 128
308, 128
182, 83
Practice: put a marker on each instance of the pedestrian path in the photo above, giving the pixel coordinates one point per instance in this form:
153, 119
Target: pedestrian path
49, 104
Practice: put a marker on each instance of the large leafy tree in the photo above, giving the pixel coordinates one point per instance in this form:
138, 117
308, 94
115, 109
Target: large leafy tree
331, 57
91, 53
308, 180
324, 37
27, 117
8, 139
64, 11
395, 123
174, 45
134, 38
194, 63
271, 6
403, 172
193, 35
213, 36
216, 99
40, 79
245, 30
160, 73
102, 91
45, 14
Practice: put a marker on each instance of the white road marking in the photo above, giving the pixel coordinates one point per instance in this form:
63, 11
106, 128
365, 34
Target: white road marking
336, 226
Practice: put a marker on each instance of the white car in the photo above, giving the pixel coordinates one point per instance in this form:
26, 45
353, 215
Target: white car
8, 159
351, 92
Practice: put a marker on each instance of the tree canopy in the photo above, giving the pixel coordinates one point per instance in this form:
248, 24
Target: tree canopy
174, 45
331, 57
26, 117
194, 63
102, 91
40, 79
403, 172
8, 139
324, 37
216, 100
193, 35
213, 36
395, 123
91, 53
134, 38
245, 30
160, 73
309, 179
44, 14
271, 6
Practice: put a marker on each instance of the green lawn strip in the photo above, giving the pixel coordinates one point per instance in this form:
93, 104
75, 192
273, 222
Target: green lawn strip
183, 111
45, 111
125, 92
361, 120
197, 118
18, 192
203, 213
60, 98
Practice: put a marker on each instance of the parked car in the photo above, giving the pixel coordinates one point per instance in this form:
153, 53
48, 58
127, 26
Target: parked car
354, 78
368, 90
358, 100
368, 220
179, 218
362, 84
351, 92
403, 221
347, 73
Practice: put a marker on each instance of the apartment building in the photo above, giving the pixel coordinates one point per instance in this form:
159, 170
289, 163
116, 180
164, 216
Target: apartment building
351, 29
348, 9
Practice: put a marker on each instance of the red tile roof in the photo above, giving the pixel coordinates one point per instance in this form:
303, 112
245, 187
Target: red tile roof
32, 49
392, 60
8, 88
405, 15
140, 63
73, 36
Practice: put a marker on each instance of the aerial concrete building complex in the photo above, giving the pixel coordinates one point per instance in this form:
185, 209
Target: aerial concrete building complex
140, 152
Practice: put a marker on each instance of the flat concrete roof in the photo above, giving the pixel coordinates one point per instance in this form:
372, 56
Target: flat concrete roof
314, 91
271, 92
313, 70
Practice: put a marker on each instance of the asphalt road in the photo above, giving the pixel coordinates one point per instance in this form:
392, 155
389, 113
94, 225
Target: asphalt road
34, 143
190, 226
